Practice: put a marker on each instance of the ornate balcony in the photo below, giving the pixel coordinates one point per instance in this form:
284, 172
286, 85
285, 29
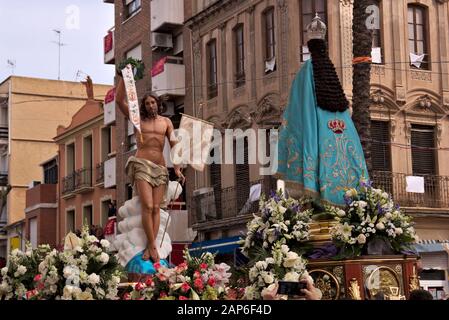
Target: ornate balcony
99, 173
227, 204
83, 180
436, 189
68, 184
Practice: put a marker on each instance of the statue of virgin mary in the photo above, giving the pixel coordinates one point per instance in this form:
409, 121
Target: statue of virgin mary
319, 152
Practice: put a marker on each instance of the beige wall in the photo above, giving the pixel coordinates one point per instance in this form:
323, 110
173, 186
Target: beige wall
37, 108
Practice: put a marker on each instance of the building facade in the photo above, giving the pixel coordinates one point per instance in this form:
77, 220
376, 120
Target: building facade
31, 110
86, 152
241, 57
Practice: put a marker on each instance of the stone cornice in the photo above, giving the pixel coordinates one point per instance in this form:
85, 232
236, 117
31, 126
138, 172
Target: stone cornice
203, 15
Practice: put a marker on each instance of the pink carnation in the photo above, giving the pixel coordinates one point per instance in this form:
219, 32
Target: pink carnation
185, 287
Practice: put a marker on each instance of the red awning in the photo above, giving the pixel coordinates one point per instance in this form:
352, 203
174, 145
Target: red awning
158, 67
108, 42
110, 96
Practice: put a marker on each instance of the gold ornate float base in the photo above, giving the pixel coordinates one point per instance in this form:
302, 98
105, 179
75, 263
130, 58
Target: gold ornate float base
367, 277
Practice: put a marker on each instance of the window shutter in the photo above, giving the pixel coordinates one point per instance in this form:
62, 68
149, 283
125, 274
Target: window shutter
215, 178
380, 150
242, 177
423, 154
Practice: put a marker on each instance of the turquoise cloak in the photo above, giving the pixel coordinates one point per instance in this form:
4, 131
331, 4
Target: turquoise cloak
319, 152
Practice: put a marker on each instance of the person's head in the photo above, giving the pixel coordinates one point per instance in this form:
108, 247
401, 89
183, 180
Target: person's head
150, 106
420, 294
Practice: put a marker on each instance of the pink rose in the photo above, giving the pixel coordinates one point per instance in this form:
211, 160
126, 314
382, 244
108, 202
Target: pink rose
149, 282
37, 278
139, 286
211, 281
198, 283
203, 266
185, 287
183, 298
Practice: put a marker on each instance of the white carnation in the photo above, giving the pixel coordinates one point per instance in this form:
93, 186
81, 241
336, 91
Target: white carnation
103, 258
291, 276
93, 279
361, 239
380, 226
105, 243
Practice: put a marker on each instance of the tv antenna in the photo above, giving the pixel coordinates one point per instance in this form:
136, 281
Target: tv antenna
59, 44
11, 64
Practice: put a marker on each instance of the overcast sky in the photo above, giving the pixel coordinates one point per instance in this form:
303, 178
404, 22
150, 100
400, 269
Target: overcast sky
26, 37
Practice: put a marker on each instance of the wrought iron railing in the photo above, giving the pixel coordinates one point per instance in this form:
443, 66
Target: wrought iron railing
230, 202
99, 172
436, 189
68, 183
83, 178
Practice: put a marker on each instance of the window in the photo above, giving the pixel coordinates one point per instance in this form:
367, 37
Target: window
424, 160
70, 161
423, 152
51, 172
132, 6
212, 86
239, 56
270, 40
106, 143
381, 155
309, 8
104, 212
88, 215
380, 149
241, 172
215, 179
377, 32
417, 32
70, 221
86, 174
135, 53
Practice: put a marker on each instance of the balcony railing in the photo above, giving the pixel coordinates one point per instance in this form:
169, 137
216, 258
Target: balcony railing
436, 189
83, 179
68, 184
99, 177
228, 203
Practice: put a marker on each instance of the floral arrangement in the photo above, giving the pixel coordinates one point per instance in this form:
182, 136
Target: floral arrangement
370, 214
197, 278
137, 65
283, 265
83, 271
281, 221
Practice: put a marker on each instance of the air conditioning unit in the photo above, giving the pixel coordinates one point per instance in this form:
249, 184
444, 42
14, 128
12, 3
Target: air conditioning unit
205, 204
161, 40
168, 109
